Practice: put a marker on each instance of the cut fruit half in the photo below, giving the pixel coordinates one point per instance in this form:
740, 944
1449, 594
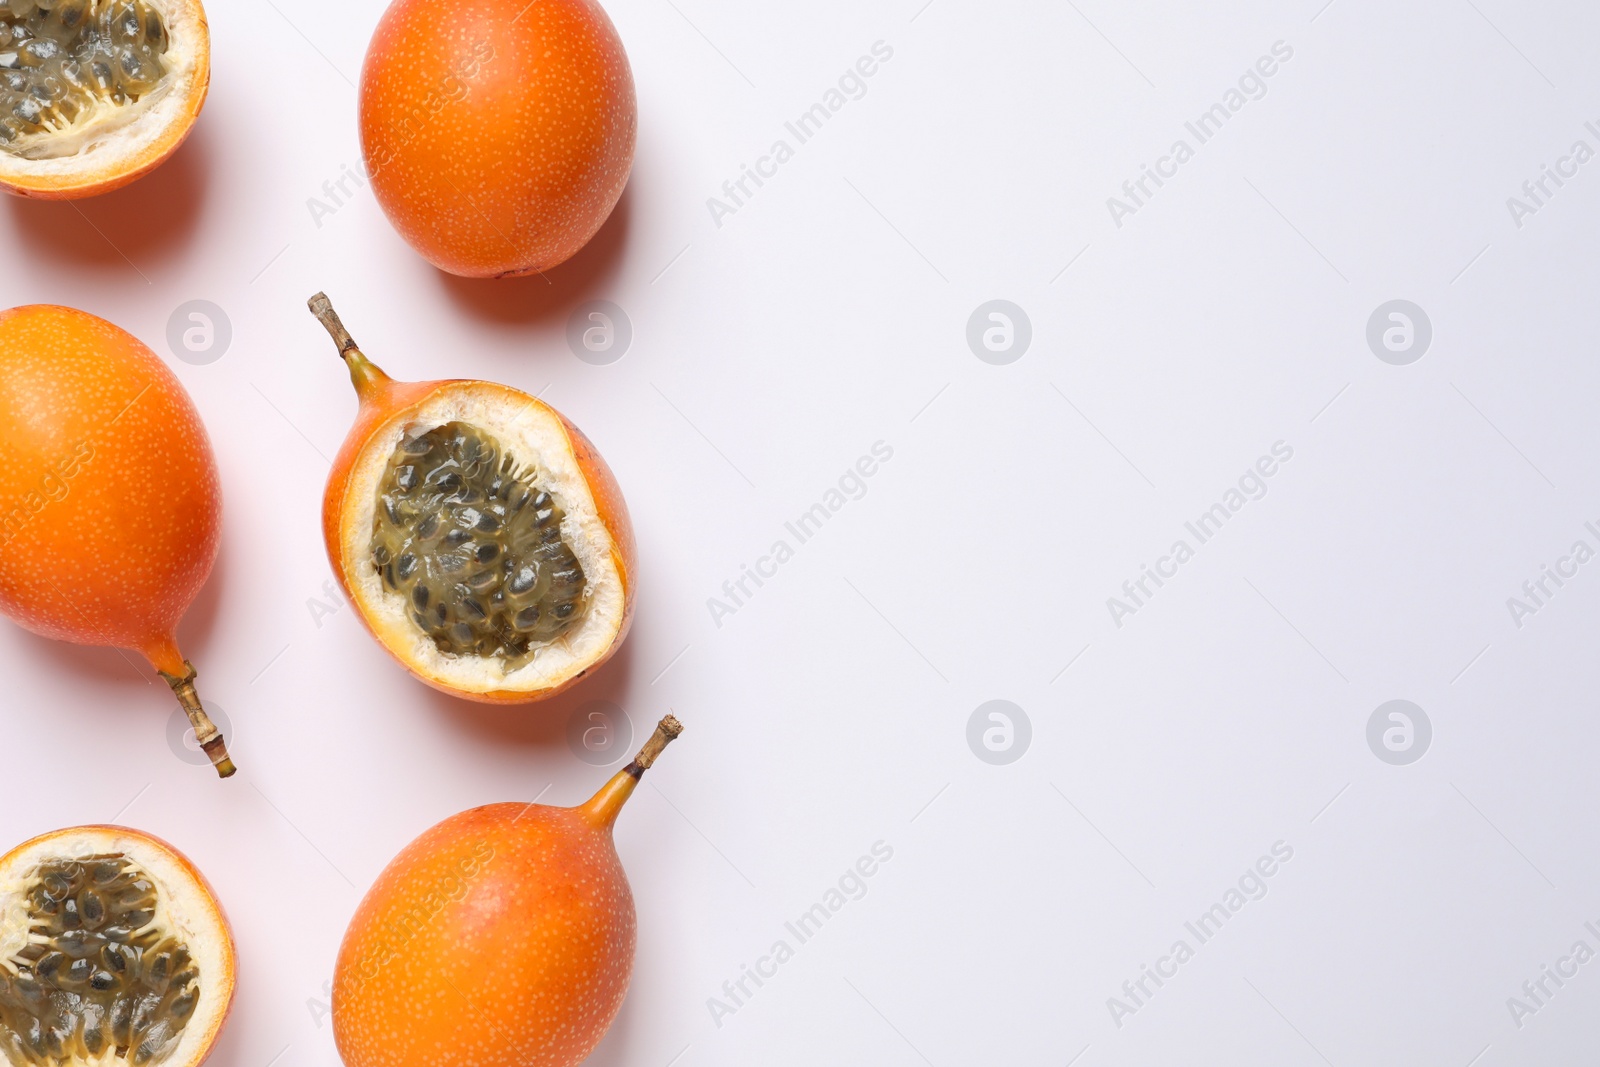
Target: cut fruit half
113, 949
480, 536
95, 93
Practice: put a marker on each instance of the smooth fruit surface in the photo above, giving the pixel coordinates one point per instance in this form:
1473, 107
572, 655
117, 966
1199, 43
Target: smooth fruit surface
502, 937
97, 92
110, 490
110, 507
498, 134
111, 940
525, 916
471, 571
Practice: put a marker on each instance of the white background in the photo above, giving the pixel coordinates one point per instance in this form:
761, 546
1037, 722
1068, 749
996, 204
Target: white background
830, 712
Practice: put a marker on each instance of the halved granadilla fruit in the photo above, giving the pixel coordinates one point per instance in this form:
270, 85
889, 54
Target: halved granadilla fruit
95, 93
481, 537
112, 948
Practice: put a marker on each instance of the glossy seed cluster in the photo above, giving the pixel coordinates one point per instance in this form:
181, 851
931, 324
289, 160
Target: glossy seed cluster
474, 544
98, 973
61, 59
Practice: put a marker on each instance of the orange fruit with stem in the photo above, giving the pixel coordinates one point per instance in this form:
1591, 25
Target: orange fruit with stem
502, 937
110, 509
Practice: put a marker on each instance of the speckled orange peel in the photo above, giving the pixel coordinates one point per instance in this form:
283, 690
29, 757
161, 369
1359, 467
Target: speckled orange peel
98, 92
113, 950
502, 547
110, 507
502, 937
498, 134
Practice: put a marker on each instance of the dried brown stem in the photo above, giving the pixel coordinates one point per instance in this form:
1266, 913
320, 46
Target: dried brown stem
206, 733
322, 308
666, 731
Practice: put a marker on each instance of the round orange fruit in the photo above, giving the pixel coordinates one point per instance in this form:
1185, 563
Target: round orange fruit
498, 134
502, 937
96, 93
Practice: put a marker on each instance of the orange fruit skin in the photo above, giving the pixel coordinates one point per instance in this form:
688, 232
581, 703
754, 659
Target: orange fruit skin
388, 398
92, 180
502, 937
110, 508
498, 134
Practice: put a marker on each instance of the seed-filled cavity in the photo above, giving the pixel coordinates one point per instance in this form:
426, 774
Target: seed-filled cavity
98, 975
474, 544
62, 61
